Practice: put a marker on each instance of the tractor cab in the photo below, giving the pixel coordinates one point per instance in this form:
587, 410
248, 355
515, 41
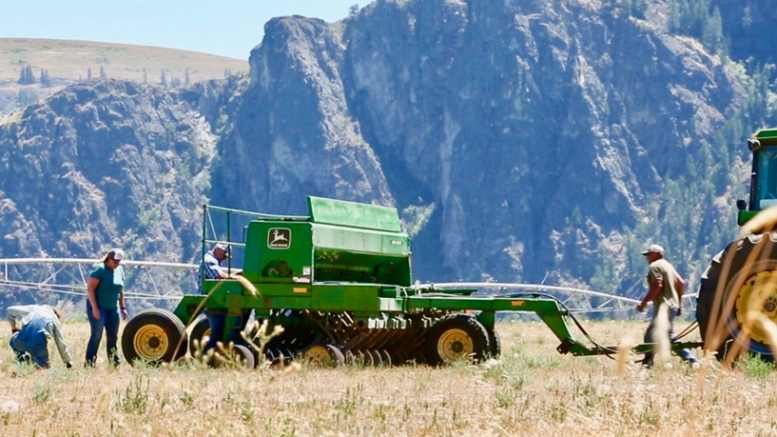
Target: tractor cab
763, 182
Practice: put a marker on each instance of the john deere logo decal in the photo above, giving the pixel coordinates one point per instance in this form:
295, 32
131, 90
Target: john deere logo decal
279, 238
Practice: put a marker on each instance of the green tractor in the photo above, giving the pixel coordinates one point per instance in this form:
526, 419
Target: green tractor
737, 300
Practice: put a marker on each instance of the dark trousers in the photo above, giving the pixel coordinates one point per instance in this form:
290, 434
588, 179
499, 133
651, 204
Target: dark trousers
30, 346
109, 322
217, 319
685, 354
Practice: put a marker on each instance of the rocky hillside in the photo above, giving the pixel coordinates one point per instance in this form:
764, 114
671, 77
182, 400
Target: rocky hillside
522, 141
110, 163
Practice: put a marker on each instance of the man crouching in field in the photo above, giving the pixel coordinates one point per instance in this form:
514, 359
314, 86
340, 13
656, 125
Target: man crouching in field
32, 326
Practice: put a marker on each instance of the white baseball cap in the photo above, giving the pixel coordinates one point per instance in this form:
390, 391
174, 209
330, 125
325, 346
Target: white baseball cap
654, 248
224, 248
118, 254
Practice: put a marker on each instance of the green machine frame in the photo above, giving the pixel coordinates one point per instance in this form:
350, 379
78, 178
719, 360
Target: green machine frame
340, 281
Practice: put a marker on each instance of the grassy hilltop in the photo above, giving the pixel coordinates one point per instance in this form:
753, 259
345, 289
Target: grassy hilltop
531, 391
68, 61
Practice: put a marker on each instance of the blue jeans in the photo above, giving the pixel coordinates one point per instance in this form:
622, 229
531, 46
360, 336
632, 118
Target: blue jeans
109, 322
34, 348
685, 354
217, 319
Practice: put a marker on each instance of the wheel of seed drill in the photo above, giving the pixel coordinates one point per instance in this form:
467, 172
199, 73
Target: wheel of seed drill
199, 336
745, 288
317, 354
236, 356
154, 336
494, 343
323, 355
456, 337
244, 356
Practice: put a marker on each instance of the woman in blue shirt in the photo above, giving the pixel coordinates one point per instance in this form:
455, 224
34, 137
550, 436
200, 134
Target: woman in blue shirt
106, 298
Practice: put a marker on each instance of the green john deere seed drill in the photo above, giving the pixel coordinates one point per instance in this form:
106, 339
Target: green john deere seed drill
339, 283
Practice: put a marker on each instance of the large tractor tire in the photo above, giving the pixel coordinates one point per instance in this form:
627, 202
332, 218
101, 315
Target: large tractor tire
457, 337
750, 283
154, 336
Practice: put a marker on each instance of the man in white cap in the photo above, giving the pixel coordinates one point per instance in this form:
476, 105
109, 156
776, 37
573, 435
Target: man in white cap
211, 264
217, 317
665, 289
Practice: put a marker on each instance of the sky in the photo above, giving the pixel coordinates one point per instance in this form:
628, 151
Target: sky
221, 27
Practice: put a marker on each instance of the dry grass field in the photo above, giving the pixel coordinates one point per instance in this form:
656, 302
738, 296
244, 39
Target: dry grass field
530, 391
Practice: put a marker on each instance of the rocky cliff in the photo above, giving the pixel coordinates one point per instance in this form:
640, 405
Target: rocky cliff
532, 131
522, 141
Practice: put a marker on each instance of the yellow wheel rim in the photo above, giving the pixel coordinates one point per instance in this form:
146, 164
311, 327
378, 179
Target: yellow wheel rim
317, 354
151, 342
758, 295
455, 344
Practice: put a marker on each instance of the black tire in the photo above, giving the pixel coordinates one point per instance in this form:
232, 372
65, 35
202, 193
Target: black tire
338, 358
154, 336
457, 337
494, 343
740, 281
235, 357
200, 334
245, 356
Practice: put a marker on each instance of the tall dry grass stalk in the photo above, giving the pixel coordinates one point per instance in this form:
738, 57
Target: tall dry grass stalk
246, 284
764, 221
624, 354
100, 407
661, 328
